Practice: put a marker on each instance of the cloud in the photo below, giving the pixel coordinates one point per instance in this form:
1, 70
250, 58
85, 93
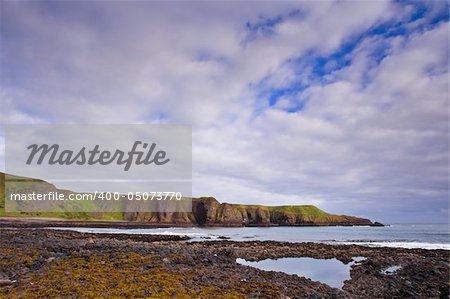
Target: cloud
342, 104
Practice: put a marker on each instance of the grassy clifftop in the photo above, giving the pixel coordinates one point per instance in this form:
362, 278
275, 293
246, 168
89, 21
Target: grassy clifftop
206, 211
17, 183
303, 210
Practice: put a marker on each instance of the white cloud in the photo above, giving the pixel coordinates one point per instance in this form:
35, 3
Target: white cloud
361, 138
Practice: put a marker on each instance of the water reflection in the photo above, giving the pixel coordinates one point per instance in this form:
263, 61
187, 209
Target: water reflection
329, 271
390, 270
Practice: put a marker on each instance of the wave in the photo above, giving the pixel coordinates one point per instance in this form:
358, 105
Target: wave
155, 231
240, 234
408, 245
172, 233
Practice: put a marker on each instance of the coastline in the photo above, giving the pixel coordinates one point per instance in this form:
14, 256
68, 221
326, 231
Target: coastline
422, 236
38, 263
34, 222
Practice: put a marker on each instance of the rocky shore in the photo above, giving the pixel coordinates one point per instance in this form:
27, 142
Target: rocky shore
42, 263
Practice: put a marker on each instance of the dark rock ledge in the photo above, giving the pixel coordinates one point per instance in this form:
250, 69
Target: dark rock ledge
36, 263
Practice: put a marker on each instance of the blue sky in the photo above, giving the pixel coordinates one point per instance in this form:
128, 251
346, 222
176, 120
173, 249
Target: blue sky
342, 104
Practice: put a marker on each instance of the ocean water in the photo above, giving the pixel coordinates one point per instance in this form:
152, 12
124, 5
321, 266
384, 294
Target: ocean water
427, 236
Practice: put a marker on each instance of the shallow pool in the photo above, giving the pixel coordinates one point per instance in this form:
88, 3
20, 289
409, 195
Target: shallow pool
329, 271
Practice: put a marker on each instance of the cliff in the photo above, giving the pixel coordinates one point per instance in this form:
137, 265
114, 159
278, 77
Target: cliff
207, 211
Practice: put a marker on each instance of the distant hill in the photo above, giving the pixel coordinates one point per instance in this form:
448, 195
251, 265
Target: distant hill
206, 211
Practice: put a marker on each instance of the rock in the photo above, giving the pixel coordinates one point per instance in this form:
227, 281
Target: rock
207, 211
50, 259
209, 264
6, 282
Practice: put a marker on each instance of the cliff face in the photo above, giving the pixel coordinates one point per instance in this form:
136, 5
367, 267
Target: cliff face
209, 212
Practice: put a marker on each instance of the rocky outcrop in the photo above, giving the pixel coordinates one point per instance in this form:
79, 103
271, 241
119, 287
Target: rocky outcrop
207, 211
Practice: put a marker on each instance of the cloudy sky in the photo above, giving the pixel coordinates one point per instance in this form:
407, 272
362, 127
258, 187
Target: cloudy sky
339, 104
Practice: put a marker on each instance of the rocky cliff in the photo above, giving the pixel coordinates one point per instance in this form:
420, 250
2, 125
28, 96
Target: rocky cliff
207, 211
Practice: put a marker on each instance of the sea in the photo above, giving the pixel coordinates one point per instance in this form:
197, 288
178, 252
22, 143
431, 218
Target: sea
426, 236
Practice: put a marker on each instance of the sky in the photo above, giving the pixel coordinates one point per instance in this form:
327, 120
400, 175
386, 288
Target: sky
340, 104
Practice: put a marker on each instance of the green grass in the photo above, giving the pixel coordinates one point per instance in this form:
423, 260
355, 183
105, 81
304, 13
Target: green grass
297, 210
57, 214
300, 210
307, 213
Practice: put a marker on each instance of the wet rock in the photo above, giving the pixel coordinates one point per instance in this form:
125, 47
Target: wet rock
6, 282
204, 266
50, 259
